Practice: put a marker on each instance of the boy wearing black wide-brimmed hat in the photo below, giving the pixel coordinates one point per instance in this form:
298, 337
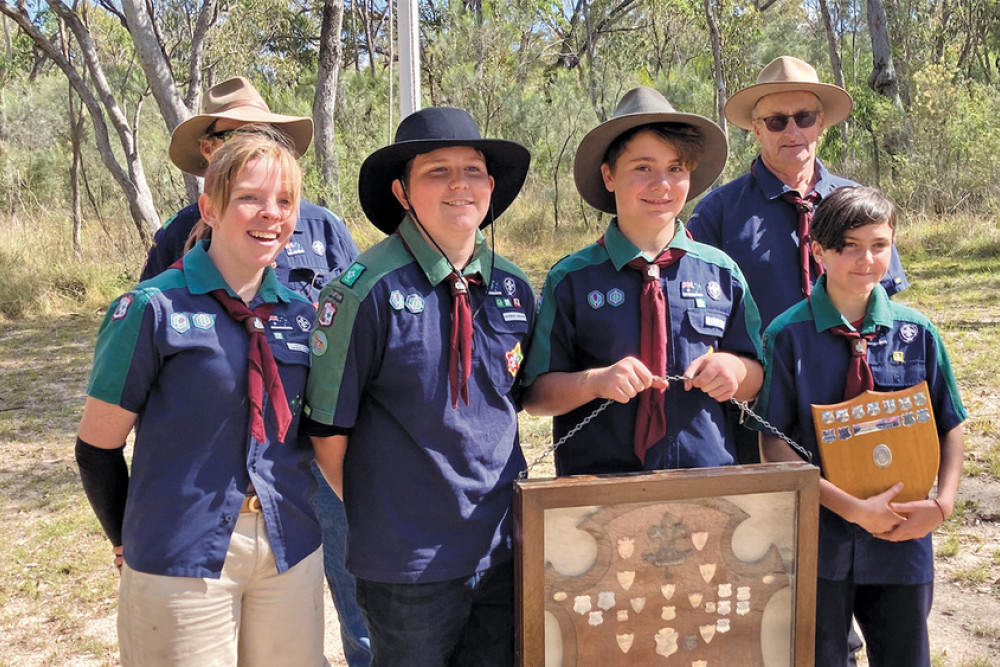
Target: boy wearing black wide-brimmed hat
415, 356
643, 303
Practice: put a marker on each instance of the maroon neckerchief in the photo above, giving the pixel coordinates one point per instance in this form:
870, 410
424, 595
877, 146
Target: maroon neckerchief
809, 268
460, 337
859, 373
654, 335
261, 367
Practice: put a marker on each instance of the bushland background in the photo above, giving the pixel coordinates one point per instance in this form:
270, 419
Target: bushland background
89, 92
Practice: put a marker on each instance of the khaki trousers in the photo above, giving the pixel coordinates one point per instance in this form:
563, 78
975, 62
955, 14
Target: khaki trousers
251, 616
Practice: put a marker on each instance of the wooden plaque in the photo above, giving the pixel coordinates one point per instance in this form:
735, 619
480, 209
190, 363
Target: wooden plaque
877, 439
713, 566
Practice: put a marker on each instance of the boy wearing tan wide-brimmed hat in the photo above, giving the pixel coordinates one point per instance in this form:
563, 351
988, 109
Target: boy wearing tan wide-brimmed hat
642, 303
761, 219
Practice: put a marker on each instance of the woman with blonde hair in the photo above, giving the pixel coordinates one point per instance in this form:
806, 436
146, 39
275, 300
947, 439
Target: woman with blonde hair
214, 529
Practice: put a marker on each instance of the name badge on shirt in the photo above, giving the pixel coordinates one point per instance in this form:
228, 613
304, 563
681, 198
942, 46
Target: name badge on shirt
514, 316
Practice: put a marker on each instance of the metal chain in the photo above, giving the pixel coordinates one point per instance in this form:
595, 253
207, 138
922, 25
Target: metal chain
742, 405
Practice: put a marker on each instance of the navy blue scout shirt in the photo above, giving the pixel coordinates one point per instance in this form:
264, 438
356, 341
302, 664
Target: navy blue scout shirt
427, 487
169, 351
589, 317
806, 364
319, 250
750, 222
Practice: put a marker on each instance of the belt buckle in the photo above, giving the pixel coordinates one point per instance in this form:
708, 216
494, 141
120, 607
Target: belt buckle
251, 503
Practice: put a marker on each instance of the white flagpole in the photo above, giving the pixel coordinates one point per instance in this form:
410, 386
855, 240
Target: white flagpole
409, 57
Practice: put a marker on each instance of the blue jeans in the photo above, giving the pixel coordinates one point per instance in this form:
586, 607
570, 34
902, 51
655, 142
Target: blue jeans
353, 633
460, 622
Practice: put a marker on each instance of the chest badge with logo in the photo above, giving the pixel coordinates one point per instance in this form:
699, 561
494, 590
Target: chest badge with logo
303, 323
596, 299
514, 359
122, 308
415, 303
396, 300
908, 333
318, 247
326, 314
294, 248
714, 291
616, 297
179, 322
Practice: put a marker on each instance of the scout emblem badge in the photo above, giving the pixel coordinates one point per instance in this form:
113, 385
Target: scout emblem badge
859, 441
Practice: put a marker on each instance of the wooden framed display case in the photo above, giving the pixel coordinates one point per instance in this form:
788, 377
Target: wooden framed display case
710, 567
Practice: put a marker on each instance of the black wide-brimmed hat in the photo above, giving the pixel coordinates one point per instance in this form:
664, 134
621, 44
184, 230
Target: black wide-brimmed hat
428, 130
644, 106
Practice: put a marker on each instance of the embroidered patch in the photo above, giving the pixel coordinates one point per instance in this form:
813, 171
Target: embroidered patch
515, 316
514, 357
179, 322
278, 335
510, 286
717, 322
616, 297
317, 343
898, 356
396, 300
122, 308
517, 302
303, 323
294, 248
298, 347
334, 295
318, 247
595, 299
908, 333
691, 290
279, 323
714, 291
326, 314
203, 320
415, 303
494, 289
352, 274
699, 303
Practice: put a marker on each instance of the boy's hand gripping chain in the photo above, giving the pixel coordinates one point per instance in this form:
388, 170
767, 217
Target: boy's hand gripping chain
742, 405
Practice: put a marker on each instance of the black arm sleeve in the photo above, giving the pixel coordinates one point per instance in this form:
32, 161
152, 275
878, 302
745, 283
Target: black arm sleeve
105, 481
318, 430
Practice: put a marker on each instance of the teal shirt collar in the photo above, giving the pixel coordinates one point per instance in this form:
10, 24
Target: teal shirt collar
433, 263
826, 316
202, 277
622, 251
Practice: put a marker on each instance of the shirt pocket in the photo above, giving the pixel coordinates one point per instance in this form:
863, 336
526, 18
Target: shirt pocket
303, 270
707, 327
893, 376
506, 332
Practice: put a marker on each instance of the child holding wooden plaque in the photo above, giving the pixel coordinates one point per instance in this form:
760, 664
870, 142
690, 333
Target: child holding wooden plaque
875, 555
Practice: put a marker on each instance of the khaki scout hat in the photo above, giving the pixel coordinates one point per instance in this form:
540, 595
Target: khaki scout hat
787, 74
234, 99
644, 106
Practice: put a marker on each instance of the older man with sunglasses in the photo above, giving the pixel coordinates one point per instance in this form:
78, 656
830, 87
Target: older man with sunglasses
761, 219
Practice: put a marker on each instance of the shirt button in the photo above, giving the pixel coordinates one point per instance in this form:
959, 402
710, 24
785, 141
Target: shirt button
229, 518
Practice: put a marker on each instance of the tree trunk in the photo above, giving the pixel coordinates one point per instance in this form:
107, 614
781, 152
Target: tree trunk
835, 64
74, 118
720, 81
883, 77
131, 179
325, 103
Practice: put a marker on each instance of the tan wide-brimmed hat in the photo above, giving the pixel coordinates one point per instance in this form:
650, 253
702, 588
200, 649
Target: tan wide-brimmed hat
235, 99
787, 74
644, 106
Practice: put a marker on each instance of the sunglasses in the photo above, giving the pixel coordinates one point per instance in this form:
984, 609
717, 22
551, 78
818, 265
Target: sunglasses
779, 122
